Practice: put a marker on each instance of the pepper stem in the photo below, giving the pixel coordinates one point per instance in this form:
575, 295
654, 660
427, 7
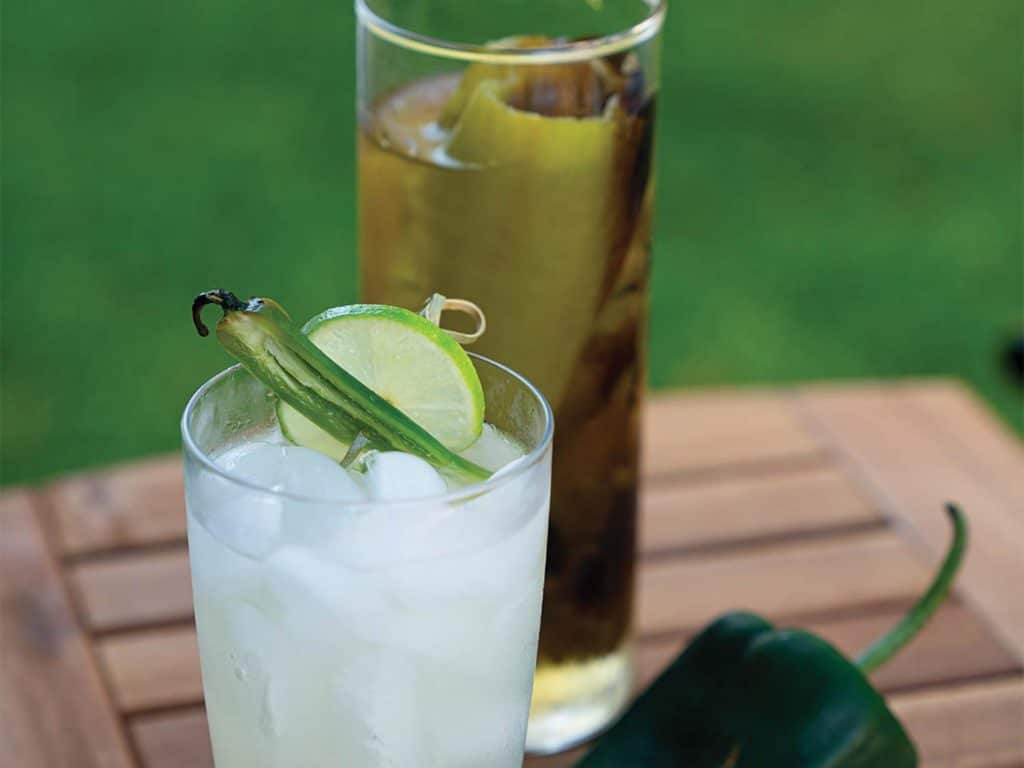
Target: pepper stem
224, 299
887, 646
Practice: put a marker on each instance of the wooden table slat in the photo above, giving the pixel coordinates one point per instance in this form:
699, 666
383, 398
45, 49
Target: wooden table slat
817, 506
54, 711
140, 503
156, 668
974, 726
852, 572
173, 739
135, 503
985, 443
746, 508
160, 668
956, 646
915, 470
139, 588
134, 589
714, 429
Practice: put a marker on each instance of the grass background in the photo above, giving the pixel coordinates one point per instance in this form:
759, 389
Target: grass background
839, 196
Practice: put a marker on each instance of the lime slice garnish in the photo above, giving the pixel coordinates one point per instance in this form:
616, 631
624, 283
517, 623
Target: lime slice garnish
404, 358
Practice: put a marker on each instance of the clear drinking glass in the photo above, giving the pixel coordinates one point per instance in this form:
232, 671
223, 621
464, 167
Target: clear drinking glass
505, 156
334, 633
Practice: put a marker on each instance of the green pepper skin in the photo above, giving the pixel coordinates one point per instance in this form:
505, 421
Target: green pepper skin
261, 336
745, 694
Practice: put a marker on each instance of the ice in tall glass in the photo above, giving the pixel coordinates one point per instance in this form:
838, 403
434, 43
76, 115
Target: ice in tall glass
381, 618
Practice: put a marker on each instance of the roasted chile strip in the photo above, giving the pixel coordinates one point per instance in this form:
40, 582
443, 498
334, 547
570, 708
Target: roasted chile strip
259, 333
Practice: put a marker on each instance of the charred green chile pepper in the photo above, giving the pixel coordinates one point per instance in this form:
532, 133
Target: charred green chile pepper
745, 694
261, 335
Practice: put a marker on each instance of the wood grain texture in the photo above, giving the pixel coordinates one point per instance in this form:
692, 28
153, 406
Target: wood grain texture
141, 502
133, 589
981, 440
854, 570
914, 469
955, 647
54, 710
173, 739
794, 579
701, 431
819, 506
155, 668
974, 726
738, 509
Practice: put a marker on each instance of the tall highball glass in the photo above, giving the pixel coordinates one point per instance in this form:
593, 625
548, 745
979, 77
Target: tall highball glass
505, 156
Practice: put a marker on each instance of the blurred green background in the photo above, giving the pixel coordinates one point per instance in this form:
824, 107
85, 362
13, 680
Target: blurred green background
839, 196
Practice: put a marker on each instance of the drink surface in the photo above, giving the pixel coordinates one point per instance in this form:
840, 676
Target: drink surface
398, 634
541, 213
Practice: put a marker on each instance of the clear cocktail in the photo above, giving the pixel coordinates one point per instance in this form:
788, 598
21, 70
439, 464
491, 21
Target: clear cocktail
382, 617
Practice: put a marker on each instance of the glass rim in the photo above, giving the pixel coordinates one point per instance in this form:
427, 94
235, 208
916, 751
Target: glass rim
495, 482
560, 53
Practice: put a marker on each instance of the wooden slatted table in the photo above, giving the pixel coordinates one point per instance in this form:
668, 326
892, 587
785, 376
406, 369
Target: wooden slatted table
817, 506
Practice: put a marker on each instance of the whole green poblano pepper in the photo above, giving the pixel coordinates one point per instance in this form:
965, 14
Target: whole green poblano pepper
746, 694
